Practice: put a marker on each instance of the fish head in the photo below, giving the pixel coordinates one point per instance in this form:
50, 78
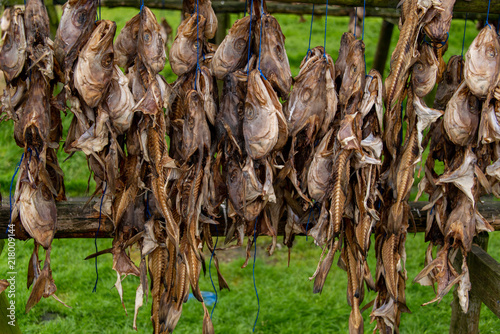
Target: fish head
273, 59
95, 65
449, 83
461, 117
36, 22
233, 51
425, 71
308, 96
260, 123
126, 43
353, 80
340, 65
13, 49
150, 45
235, 183
482, 62
437, 29
196, 134
77, 17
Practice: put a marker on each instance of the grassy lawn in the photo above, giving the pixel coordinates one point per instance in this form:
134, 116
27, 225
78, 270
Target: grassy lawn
286, 299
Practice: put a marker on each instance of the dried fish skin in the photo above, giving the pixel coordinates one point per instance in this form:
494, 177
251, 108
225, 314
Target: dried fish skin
232, 53
94, 67
462, 176
340, 65
77, 22
126, 43
461, 117
13, 49
120, 101
205, 9
489, 127
308, 96
437, 29
207, 89
150, 46
36, 23
482, 62
425, 71
186, 46
196, 134
353, 80
273, 60
451, 80
320, 170
260, 123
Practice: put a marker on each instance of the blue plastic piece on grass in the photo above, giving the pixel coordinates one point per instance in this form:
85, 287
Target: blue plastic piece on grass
208, 297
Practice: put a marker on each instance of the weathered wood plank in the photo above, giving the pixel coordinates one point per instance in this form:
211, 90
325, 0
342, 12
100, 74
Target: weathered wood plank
278, 6
484, 274
468, 323
76, 221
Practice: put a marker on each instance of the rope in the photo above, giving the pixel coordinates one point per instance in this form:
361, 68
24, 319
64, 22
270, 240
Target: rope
441, 43
245, 13
326, 22
95, 238
310, 33
142, 6
197, 43
253, 273
463, 45
210, 272
355, 20
363, 30
10, 193
249, 38
260, 37
488, 14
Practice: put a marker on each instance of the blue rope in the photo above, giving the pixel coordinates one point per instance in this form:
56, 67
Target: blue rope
326, 22
498, 25
442, 44
245, 13
210, 272
355, 20
463, 45
95, 239
99, 10
253, 273
10, 193
249, 38
197, 43
310, 33
363, 31
488, 14
260, 37
142, 6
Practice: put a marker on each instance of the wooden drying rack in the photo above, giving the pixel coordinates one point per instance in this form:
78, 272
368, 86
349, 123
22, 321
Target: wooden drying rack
78, 221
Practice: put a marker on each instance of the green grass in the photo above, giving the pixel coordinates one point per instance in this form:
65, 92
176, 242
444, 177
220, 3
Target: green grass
287, 302
286, 299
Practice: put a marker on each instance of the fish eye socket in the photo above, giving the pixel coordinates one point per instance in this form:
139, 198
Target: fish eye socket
279, 52
419, 67
80, 18
306, 95
240, 44
8, 44
490, 52
354, 69
147, 37
107, 60
250, 113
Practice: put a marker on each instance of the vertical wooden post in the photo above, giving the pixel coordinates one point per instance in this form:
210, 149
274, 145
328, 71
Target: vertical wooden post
384, 43
5, 328
53, 18
223, 25
467, 323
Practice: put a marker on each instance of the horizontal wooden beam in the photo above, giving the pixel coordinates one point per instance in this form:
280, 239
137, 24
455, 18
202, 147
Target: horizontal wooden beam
74, 220
484, 272
475, 9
